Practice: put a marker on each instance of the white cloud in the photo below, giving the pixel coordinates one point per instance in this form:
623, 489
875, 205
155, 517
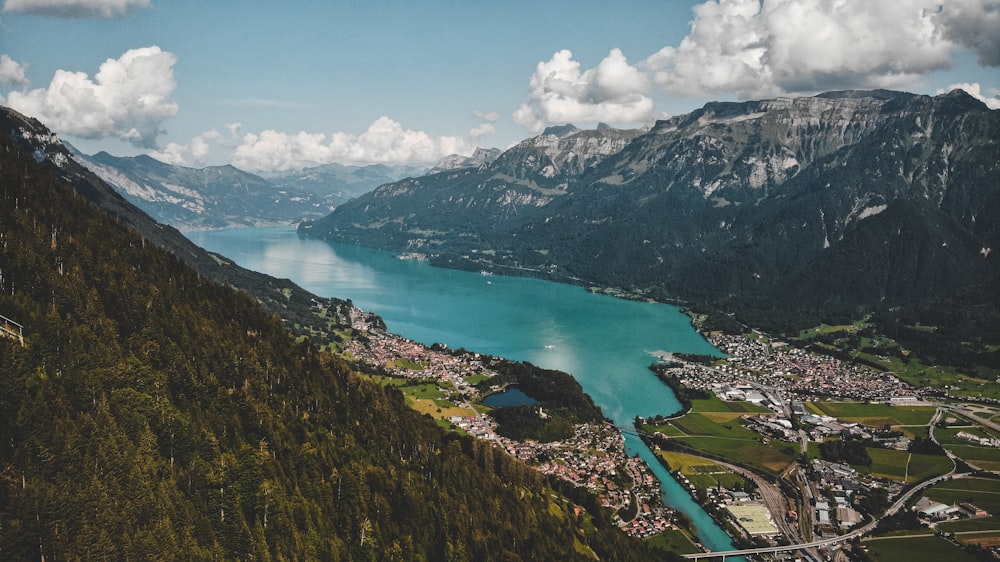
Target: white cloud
12, 72
755, 48
794, 46
127, 99
195, 152
106, 9
385, 142
975, 90
560, 93
487, 127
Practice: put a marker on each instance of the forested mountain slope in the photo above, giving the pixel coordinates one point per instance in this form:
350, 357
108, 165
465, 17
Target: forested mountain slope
785, 212
155, 414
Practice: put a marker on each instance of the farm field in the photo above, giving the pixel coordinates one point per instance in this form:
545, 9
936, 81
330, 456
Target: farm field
985, 458
426, 398
674, 541
715, 404
701, 472
916, 549
984, 539
965, 525
904, 466
982, 492
721, 433
949, 435
874, 414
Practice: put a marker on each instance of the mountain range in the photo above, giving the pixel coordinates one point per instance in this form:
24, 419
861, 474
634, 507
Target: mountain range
225, 196
783, 212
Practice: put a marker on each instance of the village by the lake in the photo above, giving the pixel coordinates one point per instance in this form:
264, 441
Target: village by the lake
782, 445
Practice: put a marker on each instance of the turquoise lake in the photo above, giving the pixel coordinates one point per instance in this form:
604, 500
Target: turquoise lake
606, 343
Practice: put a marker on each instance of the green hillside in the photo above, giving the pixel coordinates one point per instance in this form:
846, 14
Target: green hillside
154, 414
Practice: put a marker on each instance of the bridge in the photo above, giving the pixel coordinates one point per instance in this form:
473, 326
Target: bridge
896, 506
628, 429
770, 549
11, 329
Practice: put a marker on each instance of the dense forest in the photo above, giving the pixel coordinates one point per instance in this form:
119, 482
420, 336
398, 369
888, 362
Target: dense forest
152, 413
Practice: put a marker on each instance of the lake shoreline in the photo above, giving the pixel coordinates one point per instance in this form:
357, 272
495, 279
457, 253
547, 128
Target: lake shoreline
553, 325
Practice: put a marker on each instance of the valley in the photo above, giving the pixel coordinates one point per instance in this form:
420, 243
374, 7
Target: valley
792, 410
781, 214
766, 378
488, 282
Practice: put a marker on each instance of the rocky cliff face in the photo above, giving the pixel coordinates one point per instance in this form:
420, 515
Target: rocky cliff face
731, 200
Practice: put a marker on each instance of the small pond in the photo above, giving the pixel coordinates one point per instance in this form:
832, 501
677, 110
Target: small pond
513, 396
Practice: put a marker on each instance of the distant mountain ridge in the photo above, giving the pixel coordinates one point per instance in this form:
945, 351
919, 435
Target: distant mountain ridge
833, 206
225, 196
479, 157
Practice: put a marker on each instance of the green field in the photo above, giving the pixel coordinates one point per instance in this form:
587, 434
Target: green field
404, 363
916, 549
701, 472
948, 435
984, 524
674, 541
923, 467
887, 463
476, 379
982, 492
986, 458
715, 404
714, 426
902, 465
425, 397
700, 424
875, 414
667, 429
724, 478
745, 451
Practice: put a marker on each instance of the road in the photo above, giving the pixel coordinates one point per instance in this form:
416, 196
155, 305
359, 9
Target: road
896, 506
775, 502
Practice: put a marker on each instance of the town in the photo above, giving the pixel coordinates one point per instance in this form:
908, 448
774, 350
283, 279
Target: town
778, 379
594, 458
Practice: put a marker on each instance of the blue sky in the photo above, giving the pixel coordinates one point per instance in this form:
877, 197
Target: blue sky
281, 85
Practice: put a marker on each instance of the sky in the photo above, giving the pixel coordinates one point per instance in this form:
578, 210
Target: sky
269, 86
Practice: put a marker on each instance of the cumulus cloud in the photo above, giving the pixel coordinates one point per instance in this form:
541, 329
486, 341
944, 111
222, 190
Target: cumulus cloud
127, 98
755, 48
195, 152
106, 9
384, 142
12, 72
487, 126
975, 90
560, 92
975, 25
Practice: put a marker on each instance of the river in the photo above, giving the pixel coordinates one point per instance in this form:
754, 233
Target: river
606, 343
